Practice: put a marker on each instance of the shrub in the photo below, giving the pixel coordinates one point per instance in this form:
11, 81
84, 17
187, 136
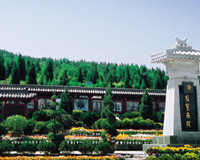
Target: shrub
112, 131
6, 146
41, 127
78, 124
146, 106
86, 148
161, 117
89, 117
1, 118
27, 147
105, 124
146, 124
56, 137
55, 127
46, 147
40, 115
29, 127
190, 156
118, 124
3, 130
16, 123
126, 123
134, 124
50, 113
152, 158
158, 125
103, 148
177, 156
76, 114
138, 118
66, 147
97, 124
165, 157
130, 115
155, 117
65, 119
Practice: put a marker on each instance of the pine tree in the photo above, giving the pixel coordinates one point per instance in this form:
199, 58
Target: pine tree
111, 78
54, 104
146, 106
8, 63
31, 75
15, 75
21, 67
143, 84
65, 102
92, 73
107, 112
48, 70
127, 78
80, 76
2, 68
64, 80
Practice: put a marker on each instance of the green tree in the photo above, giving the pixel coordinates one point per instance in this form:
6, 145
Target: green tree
48, 70
107, 112
15, 75
1, 116
65, 102
111, 77
92, 73
146, 106
80, 76
8, 63
16, 123
127, 79
21, 67
143, 84
54, 104
31, 75
64, 80
2, 68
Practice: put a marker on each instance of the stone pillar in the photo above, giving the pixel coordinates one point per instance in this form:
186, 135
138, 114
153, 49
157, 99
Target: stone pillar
182, 67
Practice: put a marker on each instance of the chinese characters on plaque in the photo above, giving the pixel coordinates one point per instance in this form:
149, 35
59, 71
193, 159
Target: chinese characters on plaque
188, 106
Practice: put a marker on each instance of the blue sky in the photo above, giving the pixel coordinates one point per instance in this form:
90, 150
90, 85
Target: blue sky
117, 31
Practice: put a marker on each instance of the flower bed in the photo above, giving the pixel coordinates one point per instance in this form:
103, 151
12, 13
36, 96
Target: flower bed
120, 139
172, 150
97, 132
63, 158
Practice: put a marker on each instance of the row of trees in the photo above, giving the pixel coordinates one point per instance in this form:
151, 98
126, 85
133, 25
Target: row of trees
15, 69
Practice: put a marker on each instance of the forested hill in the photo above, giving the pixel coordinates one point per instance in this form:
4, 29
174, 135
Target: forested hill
18, 69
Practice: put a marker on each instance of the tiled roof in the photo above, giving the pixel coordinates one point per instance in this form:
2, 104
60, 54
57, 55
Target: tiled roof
16, 93
180, 51
176, 54
81, 90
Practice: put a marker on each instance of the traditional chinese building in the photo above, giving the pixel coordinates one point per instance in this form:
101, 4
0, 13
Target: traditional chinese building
20, 99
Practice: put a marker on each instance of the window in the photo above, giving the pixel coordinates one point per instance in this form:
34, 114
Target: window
30, 105
7, 102
12, 102
118, 107
162, 106
97, 105
154, 106
132, 106
81, 104
44, 104
21, 102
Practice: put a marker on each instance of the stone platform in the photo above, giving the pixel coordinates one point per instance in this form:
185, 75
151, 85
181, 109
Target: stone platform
174, 141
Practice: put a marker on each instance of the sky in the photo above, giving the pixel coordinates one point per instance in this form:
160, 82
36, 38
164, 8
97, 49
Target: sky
116, 31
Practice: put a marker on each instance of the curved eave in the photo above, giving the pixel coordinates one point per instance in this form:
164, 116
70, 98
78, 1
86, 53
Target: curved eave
16, 96
163, 58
